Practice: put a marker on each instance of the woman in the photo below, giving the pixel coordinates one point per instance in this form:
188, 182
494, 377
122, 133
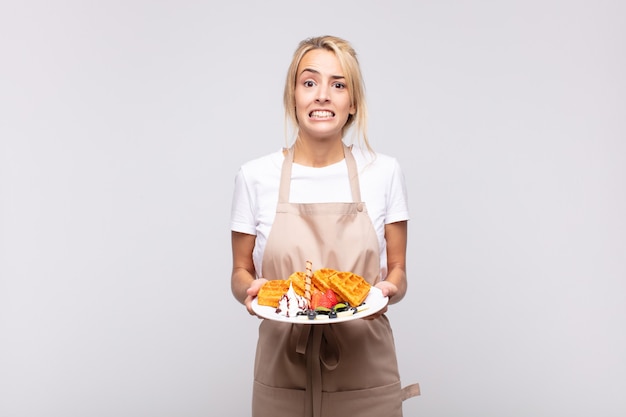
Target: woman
341, 208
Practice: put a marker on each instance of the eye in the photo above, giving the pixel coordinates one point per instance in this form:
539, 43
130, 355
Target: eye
339, 85
308, 83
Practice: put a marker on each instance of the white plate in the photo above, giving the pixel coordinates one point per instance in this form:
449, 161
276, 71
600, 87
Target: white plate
373, 303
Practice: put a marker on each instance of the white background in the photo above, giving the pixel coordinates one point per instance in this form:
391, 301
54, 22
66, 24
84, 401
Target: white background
123, 123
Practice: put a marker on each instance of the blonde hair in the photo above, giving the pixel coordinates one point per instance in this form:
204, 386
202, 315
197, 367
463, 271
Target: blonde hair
354, 80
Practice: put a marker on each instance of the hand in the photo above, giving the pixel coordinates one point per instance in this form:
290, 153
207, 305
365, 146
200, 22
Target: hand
389, 290
252, 292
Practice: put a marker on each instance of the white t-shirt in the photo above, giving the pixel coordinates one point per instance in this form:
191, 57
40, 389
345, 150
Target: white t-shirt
255, 196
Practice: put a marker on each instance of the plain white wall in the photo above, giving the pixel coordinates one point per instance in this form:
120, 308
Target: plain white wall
122, 125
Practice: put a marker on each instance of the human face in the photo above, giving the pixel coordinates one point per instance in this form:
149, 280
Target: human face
322, 96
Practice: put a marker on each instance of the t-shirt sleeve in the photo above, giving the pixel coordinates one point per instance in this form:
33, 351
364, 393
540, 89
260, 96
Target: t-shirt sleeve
398, 207
242, 217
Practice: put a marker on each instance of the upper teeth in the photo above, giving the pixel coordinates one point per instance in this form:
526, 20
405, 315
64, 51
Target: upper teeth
321, 113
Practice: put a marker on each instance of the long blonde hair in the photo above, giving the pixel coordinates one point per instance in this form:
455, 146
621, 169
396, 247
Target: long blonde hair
354, 80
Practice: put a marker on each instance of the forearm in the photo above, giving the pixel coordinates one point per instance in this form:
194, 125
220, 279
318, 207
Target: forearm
243, 273
396, 236
241, 280
397, 277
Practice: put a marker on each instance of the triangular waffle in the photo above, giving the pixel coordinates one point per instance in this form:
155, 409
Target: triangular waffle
321, 281
349, 286
321, 278
272, 291
298, 281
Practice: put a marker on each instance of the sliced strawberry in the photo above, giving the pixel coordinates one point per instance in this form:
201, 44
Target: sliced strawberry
315, 299
319, 299
331, 296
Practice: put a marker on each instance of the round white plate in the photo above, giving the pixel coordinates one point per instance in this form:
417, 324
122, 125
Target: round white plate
372, 304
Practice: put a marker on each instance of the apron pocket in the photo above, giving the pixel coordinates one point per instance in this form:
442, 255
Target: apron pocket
385, 401
277, 402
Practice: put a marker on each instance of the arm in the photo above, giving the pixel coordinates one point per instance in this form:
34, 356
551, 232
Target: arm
243, 284
395, 285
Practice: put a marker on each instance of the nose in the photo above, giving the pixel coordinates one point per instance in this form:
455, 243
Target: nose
322, 95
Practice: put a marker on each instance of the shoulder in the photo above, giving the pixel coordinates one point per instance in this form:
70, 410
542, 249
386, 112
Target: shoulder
262, 167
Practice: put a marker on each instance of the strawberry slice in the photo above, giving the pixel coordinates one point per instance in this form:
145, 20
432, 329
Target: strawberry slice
331, 296
315, 299
319, 299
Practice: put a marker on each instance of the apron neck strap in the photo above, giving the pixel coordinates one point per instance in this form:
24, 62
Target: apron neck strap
353, 175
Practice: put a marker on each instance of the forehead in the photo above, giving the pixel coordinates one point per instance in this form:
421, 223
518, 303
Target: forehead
321, 61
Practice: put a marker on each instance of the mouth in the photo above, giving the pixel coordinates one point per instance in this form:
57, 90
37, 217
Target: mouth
321, 114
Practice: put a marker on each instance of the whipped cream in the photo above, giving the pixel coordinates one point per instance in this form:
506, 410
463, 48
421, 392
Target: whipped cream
291, 303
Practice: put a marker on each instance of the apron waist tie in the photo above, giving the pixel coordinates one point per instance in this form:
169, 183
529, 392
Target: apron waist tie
303, 338
329, 351
319, 344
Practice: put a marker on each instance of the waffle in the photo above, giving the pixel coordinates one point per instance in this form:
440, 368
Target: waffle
349, 286
321, 278
297, 281
272, 291
321, 281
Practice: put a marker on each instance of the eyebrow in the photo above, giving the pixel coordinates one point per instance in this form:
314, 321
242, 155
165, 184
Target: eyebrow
334, 77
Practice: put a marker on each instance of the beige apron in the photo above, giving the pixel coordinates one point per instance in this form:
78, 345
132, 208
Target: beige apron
332, 369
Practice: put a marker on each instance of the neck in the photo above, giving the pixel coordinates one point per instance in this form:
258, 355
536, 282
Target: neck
318, 154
